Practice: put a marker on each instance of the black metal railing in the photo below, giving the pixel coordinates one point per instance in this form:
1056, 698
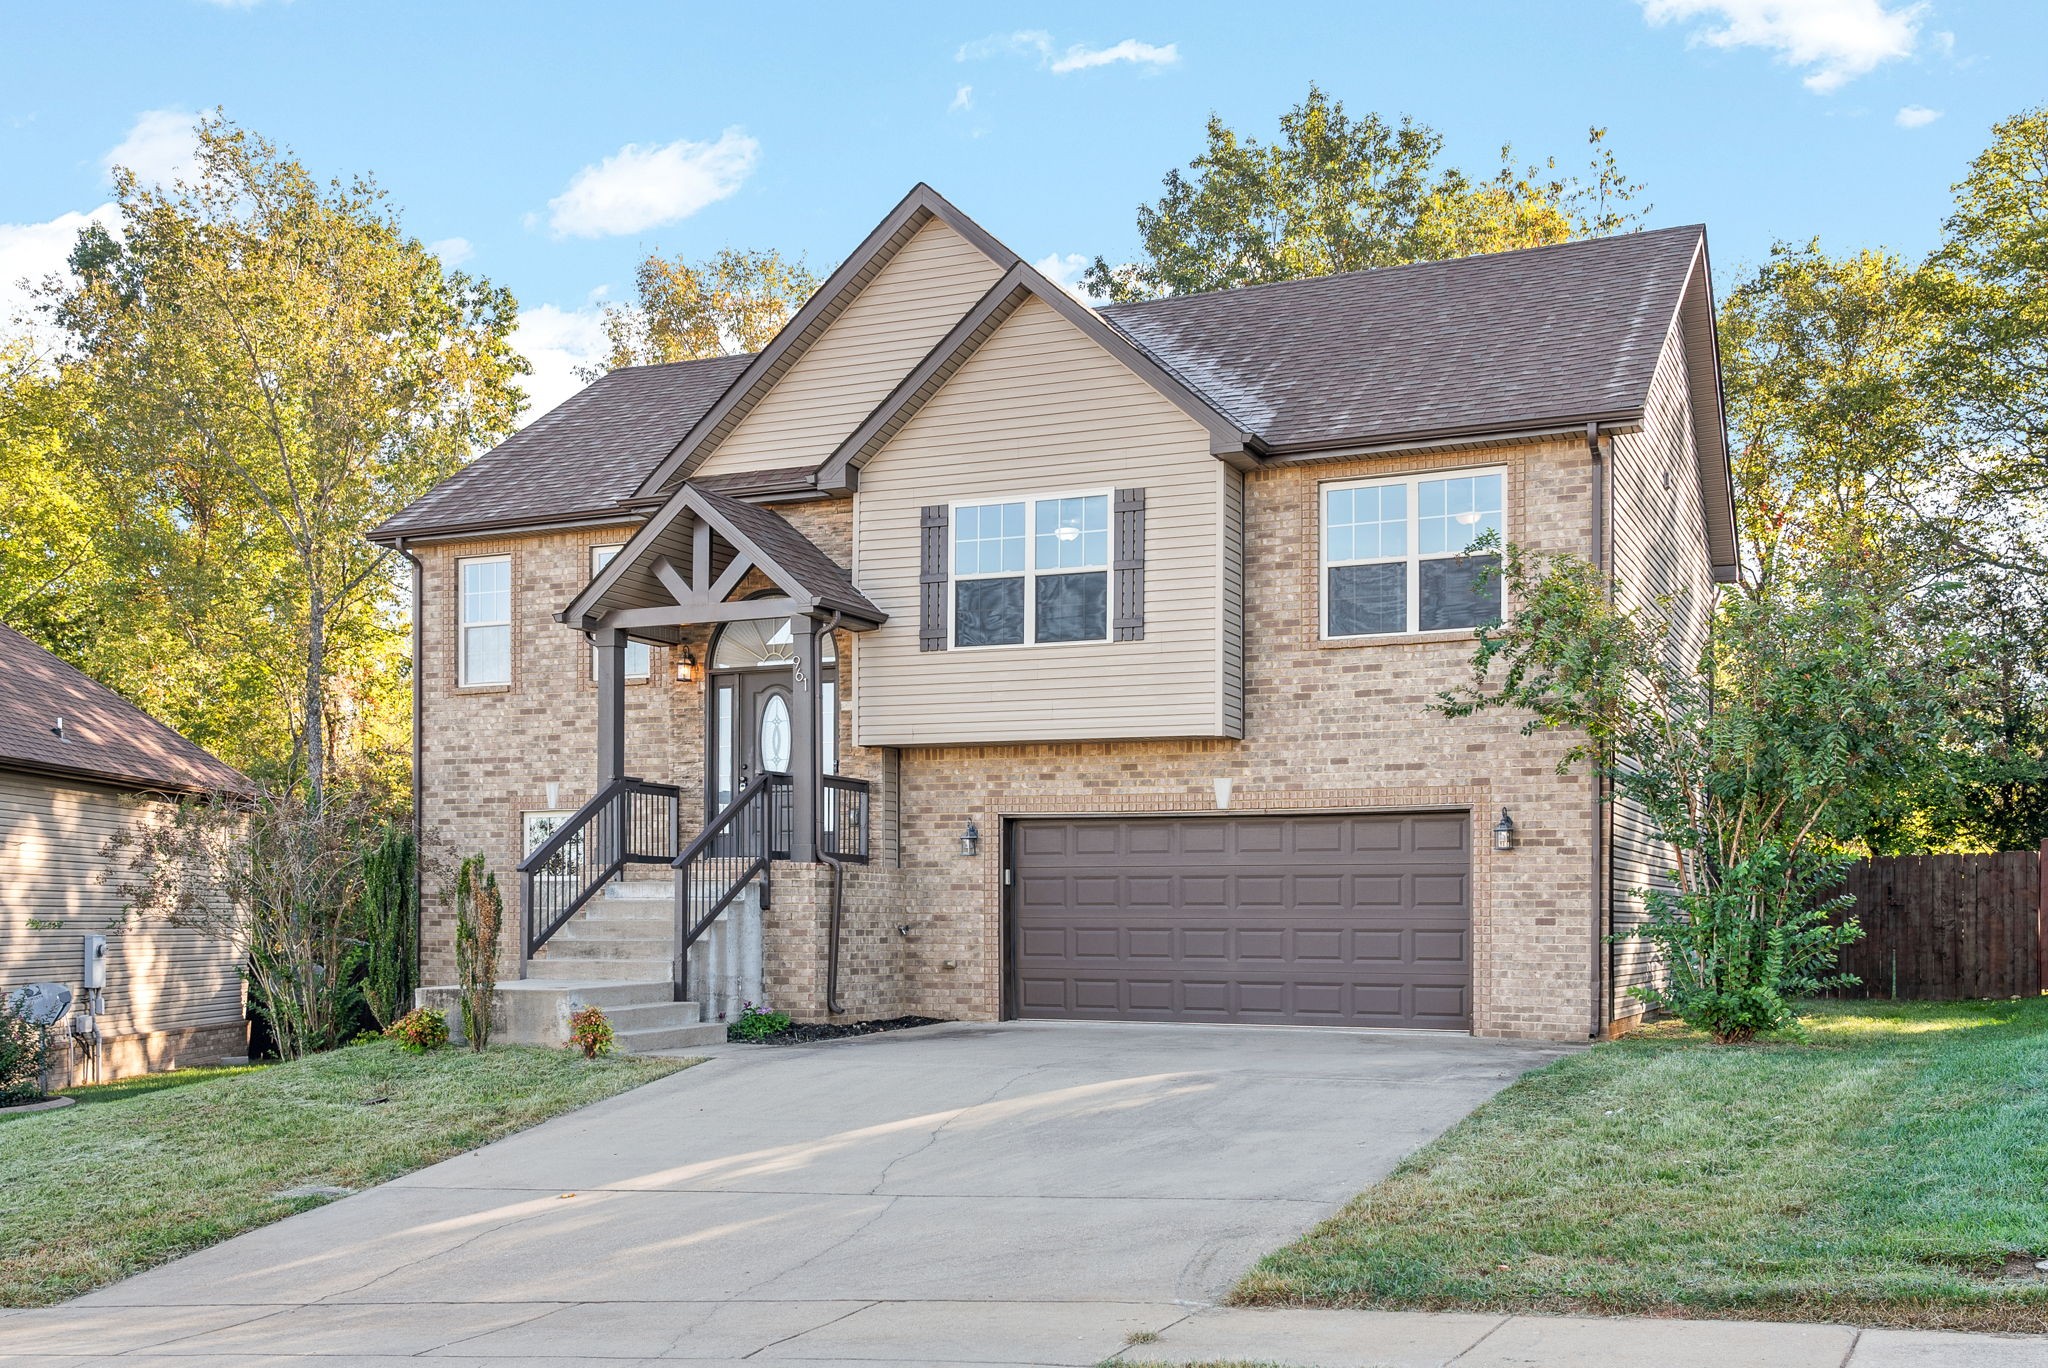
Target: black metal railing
629, 821
732, 850
844, 818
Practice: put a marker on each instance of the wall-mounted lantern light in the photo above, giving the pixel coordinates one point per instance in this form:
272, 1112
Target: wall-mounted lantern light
970, 840
686, 667
1504, 832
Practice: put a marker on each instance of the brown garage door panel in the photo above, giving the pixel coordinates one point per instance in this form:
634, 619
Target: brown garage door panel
1335, 920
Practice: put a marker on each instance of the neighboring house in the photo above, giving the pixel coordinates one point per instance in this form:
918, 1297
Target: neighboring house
1067, 663
79, 765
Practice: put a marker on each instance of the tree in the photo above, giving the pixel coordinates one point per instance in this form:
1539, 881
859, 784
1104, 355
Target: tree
1342, 194
272, 367
730, 304
1832, 708
50, 562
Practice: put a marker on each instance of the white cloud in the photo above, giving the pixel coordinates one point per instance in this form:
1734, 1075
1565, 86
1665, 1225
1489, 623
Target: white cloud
1915, 116
30, 252
1080, 57
555, 341
1064, 270
1835, 40
160, 147
1077, 57
963, 99
640, 187
453, 251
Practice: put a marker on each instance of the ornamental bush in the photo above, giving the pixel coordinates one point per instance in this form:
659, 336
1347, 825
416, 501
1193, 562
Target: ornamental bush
24, 1056
755, 1024
420, 1030
591, 1031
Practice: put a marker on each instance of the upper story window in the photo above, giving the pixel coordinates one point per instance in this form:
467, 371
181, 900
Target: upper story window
484, 633
639, 655
1394, 554
1031, 570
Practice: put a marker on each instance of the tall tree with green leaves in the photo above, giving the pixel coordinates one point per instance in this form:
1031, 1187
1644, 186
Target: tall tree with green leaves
729, 304
273, 366
1338, 193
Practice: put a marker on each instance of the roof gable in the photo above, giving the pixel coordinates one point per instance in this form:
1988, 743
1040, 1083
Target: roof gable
923, 205
1020, 283
104, 737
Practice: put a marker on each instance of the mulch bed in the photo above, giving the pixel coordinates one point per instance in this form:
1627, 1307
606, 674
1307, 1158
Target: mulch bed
804, 1032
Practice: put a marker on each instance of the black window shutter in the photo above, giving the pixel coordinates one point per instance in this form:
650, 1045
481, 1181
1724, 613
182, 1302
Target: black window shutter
931, 579
1129, 565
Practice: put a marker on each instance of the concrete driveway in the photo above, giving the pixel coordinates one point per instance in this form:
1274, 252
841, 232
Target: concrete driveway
1022, 1193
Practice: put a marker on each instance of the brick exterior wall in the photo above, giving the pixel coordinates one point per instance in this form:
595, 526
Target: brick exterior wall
1328, 726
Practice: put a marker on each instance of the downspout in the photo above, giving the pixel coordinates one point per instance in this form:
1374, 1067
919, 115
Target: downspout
419, 829
1601, 910
838, 867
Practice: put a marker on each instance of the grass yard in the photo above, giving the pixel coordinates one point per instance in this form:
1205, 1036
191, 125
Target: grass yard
1890, 1170
93, 1193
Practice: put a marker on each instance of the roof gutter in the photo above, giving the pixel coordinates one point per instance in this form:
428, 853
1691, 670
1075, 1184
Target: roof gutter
1615, 421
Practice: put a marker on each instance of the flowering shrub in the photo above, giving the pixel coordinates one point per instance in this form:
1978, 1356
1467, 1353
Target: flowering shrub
420, 1030
755, 1024
590, 1029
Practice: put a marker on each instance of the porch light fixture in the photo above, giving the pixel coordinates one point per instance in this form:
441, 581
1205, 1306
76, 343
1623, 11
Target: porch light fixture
1504, 832
970, 840
686, 667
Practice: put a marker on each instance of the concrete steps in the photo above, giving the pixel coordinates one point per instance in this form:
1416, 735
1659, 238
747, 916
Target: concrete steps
643, 1011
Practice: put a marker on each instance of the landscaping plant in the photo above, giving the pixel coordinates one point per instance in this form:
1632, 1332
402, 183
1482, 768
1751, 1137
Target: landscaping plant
390, 923
755, 1024
420, 1030
591, 1031
24, 1055
278, 878
479, 921
1759, 755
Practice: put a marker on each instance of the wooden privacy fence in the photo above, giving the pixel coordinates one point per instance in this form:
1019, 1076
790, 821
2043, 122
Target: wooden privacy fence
1941, 927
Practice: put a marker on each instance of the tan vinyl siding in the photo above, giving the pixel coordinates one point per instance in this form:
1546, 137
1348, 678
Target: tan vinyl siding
903, 312
52, 835
1230, 555
1040, 409
1660, 549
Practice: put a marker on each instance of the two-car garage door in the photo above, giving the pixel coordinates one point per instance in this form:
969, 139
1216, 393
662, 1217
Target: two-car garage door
1326, 919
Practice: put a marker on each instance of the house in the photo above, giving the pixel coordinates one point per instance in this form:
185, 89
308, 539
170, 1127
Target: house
974, 653
80, 765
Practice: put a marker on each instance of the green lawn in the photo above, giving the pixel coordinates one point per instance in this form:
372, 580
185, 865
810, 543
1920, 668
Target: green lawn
1892, 1169
92, 1193
152, 1082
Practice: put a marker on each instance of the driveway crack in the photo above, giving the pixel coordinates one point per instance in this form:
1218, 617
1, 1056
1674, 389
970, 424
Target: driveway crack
932, 1138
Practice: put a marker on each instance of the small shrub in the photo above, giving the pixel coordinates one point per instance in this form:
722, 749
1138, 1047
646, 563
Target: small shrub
591, 1030
390, 916
420, 1030
479, 920
755, 1024
24, 1056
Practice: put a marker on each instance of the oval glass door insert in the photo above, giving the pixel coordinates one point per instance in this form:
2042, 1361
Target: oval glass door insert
775, 734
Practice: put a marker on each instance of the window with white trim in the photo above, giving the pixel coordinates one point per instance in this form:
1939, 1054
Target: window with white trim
1397, 554
639, 655
484, 608
1031, 570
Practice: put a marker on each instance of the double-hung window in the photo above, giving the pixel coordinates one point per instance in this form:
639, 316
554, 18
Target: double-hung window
484, 632
1397, 558
639, 655
1031, 571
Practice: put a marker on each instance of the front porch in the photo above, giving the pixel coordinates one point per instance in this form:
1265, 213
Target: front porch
771, 818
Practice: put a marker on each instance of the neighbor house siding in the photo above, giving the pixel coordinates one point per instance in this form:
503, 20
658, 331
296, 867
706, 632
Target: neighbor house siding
173, 995
1041, 409
1660, 564
851, 368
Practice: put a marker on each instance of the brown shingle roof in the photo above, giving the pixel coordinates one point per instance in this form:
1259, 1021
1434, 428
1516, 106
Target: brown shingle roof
817, 573
1476, 344
1481, 345
578, 459
106, 738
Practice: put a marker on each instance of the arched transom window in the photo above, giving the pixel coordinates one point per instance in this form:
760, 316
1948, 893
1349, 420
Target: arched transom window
762, 645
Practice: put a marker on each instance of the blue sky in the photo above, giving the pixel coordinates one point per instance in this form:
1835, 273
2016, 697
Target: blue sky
551, 145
